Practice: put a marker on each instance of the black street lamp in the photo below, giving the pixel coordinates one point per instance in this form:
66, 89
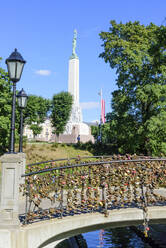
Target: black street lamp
15, 64
22, 103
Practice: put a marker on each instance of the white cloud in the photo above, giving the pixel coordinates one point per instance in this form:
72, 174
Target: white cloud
43, 72
89, 105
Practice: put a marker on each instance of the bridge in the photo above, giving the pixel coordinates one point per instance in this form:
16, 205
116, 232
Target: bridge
61, 198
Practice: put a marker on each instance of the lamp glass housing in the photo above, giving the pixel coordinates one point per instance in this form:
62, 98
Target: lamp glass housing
22, 99
15, 64
15, 69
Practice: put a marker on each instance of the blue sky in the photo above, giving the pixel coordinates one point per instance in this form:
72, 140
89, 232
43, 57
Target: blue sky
42, 31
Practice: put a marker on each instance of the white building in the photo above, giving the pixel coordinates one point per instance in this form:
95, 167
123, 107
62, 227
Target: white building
45, 135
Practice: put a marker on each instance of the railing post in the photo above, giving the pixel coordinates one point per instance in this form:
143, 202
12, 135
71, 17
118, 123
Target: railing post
22, 167
9, 190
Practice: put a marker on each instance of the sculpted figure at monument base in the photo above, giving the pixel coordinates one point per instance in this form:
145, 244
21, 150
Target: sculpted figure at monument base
76, 115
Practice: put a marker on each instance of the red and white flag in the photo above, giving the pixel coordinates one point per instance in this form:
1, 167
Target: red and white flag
102, 107
102, 111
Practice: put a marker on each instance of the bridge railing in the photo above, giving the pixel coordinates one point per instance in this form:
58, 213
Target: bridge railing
69, 160
93, 186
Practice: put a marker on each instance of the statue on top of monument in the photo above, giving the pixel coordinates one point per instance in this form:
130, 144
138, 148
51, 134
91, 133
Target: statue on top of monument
74, 55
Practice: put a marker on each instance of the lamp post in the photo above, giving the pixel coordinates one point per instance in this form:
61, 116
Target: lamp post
15, 64
22, 103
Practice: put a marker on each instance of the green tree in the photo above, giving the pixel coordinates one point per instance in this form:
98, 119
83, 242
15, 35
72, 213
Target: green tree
138, 105
61, 109
158, 48
36, 129
105, 132
5, 110
95, 131
36, 112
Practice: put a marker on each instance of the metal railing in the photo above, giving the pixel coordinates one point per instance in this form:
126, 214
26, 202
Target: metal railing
55, 192
79, 158
70, 159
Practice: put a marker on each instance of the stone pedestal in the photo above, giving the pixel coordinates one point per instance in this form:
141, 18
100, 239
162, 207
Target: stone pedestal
13, 165
72, 132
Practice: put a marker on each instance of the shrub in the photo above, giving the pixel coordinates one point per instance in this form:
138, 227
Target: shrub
54, 145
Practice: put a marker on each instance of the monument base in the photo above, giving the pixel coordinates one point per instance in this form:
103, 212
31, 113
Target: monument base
72, 131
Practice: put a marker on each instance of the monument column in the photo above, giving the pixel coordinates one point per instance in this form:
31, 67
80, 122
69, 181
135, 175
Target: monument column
75, 125
73, 79
73, 84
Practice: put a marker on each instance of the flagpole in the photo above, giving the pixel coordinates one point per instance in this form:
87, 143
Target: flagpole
100, 127
101, 96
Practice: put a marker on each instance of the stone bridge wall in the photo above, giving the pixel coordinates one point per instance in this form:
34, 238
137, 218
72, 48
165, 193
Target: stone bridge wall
48, 233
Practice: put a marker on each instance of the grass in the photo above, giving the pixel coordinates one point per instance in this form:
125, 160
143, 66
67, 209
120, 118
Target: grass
43, 151
38, 152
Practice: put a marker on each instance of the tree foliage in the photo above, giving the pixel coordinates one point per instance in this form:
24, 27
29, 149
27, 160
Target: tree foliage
5, 110
36, 129
138, 54
61, 109
104, 130
36, 112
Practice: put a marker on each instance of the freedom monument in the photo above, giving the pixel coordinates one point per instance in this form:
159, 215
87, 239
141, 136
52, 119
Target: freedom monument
75, 126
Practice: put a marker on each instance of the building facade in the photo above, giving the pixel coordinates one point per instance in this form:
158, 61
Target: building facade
45, 135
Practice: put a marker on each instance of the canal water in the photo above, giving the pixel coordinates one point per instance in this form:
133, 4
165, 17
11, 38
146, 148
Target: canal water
114, 238
122, 237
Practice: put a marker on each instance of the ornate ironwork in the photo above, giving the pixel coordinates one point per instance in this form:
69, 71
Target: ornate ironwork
81, 187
